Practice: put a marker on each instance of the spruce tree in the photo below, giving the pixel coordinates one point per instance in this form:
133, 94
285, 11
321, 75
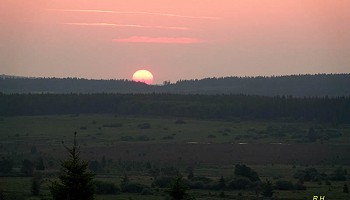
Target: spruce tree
178, 189
345, 188
75, 181
267, 189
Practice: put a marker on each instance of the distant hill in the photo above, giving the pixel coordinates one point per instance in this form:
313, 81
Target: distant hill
293, 85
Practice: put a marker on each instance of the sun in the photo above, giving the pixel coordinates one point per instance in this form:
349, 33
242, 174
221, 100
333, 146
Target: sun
143, 76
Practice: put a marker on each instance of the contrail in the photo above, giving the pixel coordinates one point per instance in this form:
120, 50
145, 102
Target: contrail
127, 26
133, 12
161, 40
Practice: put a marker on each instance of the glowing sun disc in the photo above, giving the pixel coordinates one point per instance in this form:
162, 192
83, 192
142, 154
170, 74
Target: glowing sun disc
143, 76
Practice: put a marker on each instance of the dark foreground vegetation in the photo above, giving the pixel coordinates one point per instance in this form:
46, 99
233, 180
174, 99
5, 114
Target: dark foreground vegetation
295, 85
228, 107
155, 158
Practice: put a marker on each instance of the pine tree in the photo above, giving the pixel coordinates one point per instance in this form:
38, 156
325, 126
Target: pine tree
36, 184
345, 188
75, 181
178, 189
222, 183
267, 189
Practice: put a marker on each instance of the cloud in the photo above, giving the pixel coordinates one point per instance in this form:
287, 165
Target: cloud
128, 26
161, 40
136, 12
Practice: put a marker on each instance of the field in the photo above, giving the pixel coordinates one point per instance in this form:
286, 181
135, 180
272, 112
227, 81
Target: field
133, 145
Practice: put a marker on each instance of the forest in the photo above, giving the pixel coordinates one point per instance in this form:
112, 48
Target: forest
227, 107
317, 85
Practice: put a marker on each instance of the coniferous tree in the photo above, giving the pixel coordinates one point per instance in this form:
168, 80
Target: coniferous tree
75, 181
345, 188
2, 195
222, 183
177, 190
267, 189
36, 184
27, 167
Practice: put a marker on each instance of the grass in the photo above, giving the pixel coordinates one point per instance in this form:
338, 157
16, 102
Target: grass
102, 129
127, 140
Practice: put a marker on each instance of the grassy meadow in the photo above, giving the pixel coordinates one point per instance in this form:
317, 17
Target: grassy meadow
133, 145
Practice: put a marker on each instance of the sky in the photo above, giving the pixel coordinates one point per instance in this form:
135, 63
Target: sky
175, 40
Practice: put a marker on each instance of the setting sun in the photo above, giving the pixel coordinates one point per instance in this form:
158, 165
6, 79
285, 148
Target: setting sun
143, 76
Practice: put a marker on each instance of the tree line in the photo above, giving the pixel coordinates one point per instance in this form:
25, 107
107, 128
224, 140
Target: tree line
226, 107
294, 85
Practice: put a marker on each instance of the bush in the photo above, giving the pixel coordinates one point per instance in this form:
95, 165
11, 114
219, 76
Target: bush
339, 174
169, 171
162, 182
114, 125
134, 188
180, 121
143, 138
144, 126
6, 165
299, 186
196, 185
95, 166
211, 136
106, 188
127, 138
169, 137
27, 168
309, 174
240, 183
202, 179
284, 185
146, 191
245, 171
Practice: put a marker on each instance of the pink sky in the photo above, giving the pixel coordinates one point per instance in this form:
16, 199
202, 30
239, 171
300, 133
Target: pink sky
181, 39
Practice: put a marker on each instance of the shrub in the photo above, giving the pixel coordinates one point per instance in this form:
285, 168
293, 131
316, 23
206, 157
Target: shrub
27, 168
133, 187
240, 183
146, 191
339, 174
144, 126
284, 185
169, 137
143, 138
309, 174
6, 165
180, 121
162, 182
127, 138
106, 188
95, 166
299, 186
113, 125
245, 171
202, 179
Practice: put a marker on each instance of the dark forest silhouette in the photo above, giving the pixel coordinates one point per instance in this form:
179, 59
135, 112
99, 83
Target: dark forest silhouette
294, 85
227, 107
